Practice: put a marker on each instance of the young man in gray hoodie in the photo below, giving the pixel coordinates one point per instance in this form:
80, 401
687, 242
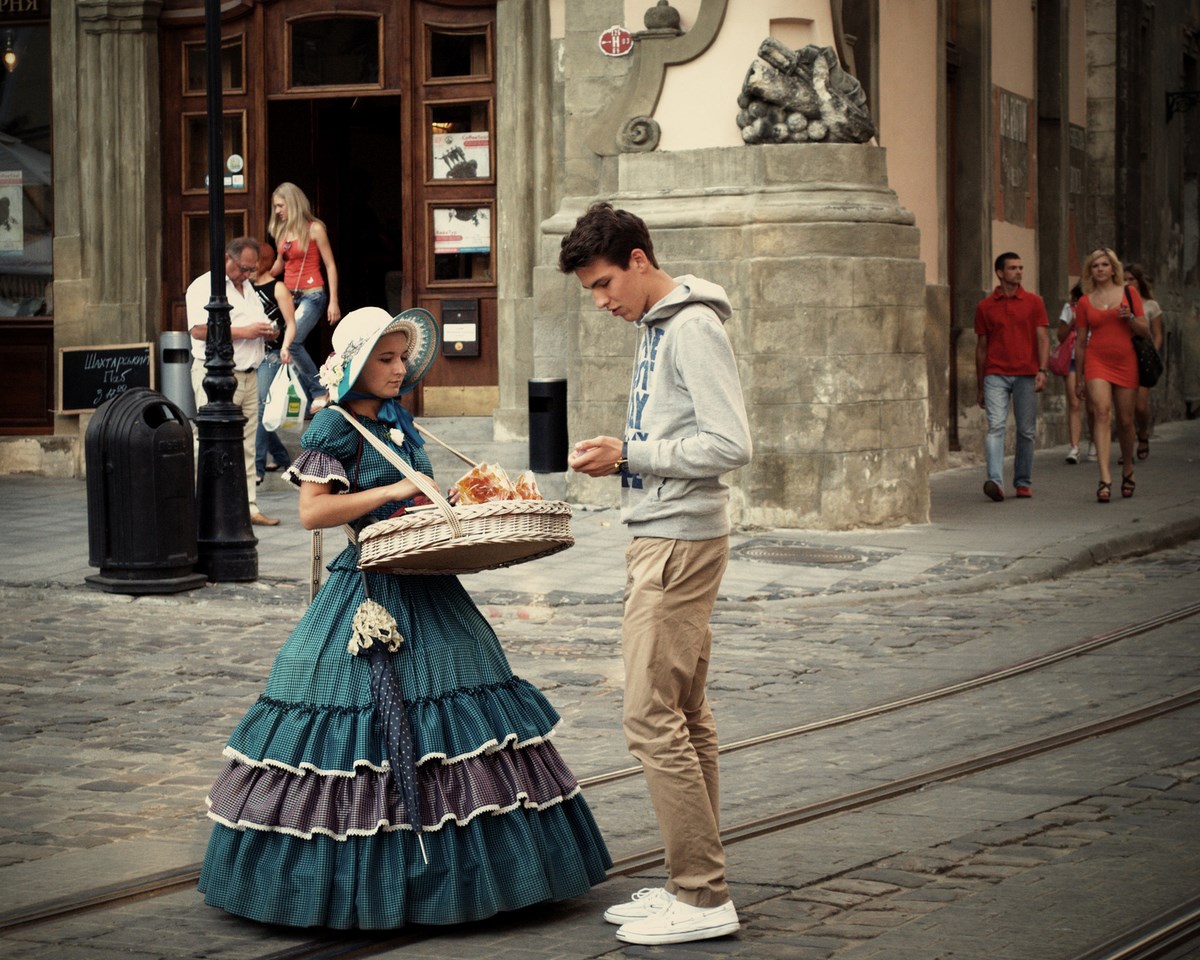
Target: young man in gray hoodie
686, 427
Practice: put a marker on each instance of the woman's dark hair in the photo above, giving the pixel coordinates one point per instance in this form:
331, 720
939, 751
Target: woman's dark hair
605, 233
1142, 281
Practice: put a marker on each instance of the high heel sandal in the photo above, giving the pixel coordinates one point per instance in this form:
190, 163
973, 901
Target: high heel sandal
1104, 492
1127, 486
1143, 448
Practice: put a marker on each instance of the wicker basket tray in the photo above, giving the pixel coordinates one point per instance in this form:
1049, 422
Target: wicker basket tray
496, 534
459, 539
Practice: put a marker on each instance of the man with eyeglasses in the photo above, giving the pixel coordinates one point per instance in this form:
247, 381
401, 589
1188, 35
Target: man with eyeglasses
249, 328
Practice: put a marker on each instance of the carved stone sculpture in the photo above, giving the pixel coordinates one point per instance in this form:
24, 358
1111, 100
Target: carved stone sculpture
802, 96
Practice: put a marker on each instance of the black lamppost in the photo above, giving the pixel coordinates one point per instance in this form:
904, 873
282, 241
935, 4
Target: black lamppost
226, 545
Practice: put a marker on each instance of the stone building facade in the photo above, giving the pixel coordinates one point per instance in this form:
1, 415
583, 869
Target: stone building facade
854, 268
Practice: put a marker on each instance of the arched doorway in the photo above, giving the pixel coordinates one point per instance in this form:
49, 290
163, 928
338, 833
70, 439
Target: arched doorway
384, 116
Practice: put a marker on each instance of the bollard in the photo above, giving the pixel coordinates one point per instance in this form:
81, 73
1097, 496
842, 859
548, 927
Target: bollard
548, 425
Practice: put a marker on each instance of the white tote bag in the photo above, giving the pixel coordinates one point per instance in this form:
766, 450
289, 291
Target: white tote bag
286, 401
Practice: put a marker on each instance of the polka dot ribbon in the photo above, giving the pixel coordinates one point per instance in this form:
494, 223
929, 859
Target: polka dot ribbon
397, 735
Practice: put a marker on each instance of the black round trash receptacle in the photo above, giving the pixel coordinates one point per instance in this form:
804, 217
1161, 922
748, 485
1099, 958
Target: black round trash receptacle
141, 495
548, 425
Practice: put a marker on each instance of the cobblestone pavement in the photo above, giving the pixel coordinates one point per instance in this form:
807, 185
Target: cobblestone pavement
113, 711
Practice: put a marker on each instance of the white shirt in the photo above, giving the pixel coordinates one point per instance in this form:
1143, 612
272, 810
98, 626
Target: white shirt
244, 308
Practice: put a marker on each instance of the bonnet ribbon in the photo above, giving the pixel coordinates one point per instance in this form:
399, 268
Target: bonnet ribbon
391, 413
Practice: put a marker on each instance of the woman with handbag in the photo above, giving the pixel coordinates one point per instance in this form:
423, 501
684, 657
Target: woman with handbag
1108, 316
1062, 362
304, 248
1135, 275
394, 771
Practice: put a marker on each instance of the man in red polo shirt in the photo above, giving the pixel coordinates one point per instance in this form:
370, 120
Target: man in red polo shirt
1011, 353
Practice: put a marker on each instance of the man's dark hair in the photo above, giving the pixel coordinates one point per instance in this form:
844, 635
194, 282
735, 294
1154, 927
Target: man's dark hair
238, 244
1004, 258
605, 233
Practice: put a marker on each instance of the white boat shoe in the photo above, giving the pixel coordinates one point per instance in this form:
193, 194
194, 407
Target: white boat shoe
645, 903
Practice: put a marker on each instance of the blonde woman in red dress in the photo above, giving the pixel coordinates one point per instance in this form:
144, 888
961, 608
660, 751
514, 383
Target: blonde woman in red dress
1107, 318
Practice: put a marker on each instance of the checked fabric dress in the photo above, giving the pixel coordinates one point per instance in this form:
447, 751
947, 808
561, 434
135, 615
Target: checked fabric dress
311, 826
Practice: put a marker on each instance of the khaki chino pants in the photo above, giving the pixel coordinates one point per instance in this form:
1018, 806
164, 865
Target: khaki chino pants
670, 589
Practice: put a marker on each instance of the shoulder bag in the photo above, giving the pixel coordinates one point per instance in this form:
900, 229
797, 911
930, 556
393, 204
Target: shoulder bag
1060, 360
1149, 363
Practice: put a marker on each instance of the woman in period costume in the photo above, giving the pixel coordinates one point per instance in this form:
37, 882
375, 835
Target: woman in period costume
394, 770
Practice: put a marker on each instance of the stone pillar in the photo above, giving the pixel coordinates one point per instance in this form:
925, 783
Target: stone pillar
108, 194
822, 266
524, 187
972, 275
1053, 152
1101, 197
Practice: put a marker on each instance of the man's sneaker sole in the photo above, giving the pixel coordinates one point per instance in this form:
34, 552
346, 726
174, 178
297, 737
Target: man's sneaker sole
992, 491
684, 936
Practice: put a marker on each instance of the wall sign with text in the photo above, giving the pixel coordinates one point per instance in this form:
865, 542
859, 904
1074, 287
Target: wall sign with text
87, 376
1014, 179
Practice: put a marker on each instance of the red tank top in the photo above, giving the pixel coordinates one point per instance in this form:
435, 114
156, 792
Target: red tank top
301, 274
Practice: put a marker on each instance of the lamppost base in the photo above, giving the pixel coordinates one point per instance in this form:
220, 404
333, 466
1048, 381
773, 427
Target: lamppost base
104, 580
225, 562
225, 543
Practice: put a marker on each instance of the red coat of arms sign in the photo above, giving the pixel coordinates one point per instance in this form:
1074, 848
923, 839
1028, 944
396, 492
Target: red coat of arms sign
616, 41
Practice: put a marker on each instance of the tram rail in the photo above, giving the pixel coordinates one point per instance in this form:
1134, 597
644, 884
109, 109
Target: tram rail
1173, 934
176, 880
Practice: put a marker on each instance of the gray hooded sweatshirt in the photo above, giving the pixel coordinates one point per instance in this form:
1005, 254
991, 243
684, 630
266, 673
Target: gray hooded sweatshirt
686, 424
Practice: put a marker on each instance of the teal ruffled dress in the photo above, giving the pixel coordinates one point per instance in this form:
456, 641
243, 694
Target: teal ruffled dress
311, 829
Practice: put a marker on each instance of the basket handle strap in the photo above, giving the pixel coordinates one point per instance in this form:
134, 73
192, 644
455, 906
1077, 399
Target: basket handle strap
423, 483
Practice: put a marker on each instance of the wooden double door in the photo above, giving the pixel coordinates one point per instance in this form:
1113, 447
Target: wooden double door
383, 113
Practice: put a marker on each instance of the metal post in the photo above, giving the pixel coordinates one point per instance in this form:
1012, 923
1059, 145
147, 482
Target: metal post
225, 543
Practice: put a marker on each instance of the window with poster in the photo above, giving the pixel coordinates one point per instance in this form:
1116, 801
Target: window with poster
26, 192
26, 224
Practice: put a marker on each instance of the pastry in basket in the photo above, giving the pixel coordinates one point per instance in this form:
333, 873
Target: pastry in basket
485, 483
526, 487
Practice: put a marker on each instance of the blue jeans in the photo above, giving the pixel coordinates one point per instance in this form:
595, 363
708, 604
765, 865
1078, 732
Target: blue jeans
997, 390
267, 441
310, 307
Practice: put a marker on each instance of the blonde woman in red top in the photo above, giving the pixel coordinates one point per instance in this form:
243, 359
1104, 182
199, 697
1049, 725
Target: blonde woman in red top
1105, 364
303, 245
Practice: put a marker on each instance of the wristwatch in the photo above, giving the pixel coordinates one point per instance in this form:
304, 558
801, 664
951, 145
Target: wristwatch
621, 466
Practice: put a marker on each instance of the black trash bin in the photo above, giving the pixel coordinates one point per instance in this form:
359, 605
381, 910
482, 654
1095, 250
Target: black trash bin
141, 495
548, 425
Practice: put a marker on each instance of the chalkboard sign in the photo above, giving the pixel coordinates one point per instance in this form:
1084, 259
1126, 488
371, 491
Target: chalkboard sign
87, 376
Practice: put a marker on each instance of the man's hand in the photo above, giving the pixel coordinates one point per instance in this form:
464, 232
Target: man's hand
597, 457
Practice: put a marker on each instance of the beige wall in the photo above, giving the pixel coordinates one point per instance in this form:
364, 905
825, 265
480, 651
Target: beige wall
908, 119
1014, 48
1014, 52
